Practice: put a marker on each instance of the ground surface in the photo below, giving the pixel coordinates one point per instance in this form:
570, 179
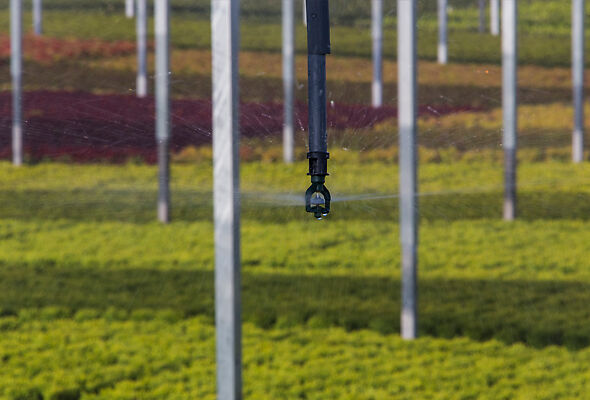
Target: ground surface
98, 301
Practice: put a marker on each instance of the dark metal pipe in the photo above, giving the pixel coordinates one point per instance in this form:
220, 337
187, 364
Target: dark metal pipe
318, 134
317, 196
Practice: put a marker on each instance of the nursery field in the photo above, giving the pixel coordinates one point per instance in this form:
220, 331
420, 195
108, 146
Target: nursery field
99, 301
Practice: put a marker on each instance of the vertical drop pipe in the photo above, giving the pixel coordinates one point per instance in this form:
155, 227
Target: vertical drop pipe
482, 16
162, 23
509, 104
129, 8
495, 17
226, 197
317, 196
38, 17
16, 69
377, 37
578, 58
289, 80
141, 32
408, 187
442, 32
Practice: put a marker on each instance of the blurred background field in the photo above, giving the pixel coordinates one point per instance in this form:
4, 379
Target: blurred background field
98, 301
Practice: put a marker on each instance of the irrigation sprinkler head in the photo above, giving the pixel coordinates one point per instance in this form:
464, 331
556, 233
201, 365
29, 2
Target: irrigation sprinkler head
317, 196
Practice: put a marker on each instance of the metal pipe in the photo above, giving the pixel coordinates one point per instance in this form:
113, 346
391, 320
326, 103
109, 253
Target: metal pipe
495, 17
408, 187
509, 104
442, 32
162, 23
289, 80
578, 61
226, 197
16, 70
141, 31
37, 17
318, 125
129, 9
317, 196
377, 36
482, 16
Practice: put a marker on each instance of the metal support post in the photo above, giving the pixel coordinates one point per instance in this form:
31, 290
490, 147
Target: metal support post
16, 70
289, 80
509, 104
377, 36
226, 197
578, 61
495, 17
482, 16
304, 12
129, 8
37, 17
442, 32
408, 187
141, 31
162, 23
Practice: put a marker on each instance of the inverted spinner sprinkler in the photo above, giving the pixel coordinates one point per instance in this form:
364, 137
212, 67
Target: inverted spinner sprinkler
317, 197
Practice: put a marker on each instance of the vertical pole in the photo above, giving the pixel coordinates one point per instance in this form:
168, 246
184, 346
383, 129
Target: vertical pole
226, 197
482, 16
509, 104
442, 32
16, 67
377, 35
495, 17
578, 10
407, 99
288, 79
129, 9
37, 17
141, 31
304, 12
162, 22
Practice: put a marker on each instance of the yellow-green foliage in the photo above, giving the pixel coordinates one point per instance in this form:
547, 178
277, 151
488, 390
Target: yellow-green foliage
98, 301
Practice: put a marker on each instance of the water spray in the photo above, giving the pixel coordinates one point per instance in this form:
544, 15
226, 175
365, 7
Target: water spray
317, 197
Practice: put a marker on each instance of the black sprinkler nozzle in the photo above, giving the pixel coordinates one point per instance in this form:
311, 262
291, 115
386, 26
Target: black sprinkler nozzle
317, 197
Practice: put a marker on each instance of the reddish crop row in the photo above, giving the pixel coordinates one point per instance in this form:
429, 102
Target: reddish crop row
87, 127
46, 49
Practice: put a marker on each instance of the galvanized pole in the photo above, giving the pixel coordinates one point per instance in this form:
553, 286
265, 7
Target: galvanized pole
482, 16
304, 12
226, 197
578, 61
16, 69
141, 31
129, 9
37, 17
289, 79
408, 200
495, 17
162, 23
442, 32
377, 35
509, 104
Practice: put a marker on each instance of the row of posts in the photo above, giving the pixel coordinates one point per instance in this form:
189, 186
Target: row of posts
225, 39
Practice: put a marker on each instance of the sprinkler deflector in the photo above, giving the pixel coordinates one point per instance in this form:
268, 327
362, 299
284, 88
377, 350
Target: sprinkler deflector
317, 196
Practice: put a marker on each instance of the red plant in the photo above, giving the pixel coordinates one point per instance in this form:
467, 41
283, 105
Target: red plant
46, 49
88, 127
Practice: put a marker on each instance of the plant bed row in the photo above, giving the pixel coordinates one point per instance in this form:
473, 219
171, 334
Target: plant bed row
86, 127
